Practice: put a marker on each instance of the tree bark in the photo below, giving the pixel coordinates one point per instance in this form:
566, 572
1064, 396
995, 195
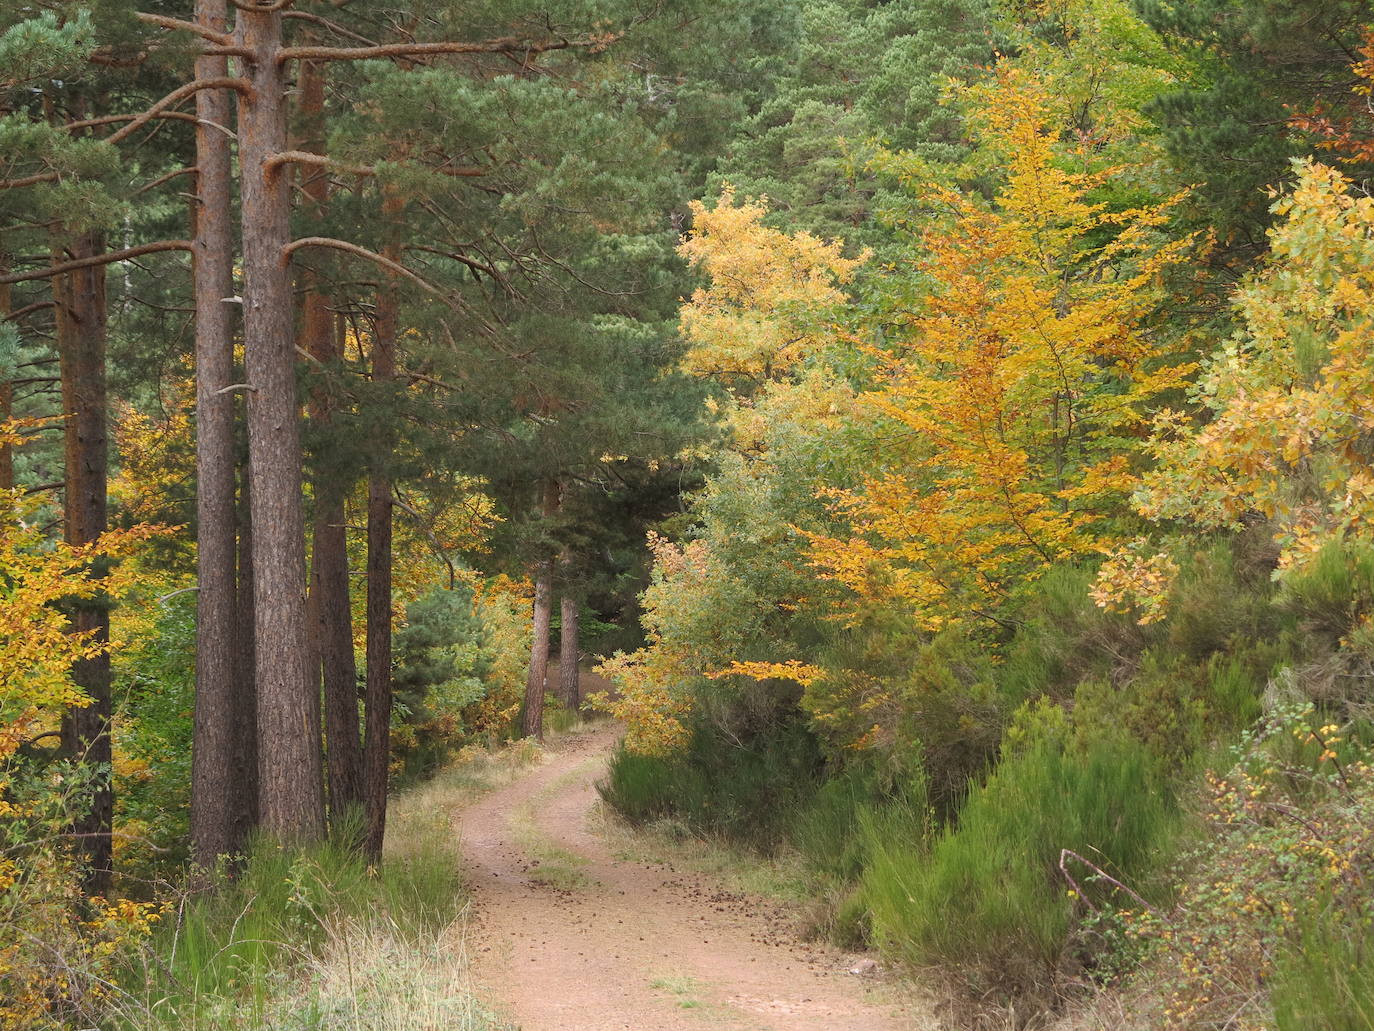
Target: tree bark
246, 809
569, 678
81, 332
290, 789
377, 743
329, 586
6, 394
532, 721
216, 743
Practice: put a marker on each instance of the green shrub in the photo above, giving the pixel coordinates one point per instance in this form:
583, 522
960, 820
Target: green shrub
989, 894
441, 662
745, 790
1325, 978
155, 688
1333, 592
1274, 925
1061, 638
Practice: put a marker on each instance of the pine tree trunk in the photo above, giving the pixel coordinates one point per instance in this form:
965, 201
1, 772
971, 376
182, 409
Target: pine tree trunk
216, 736
290, 785
569, 679
532, 722
333, 617
244, 806
377, 740
81, 330
6, 391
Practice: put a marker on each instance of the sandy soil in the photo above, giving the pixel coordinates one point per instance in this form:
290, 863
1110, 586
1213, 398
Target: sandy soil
565, 936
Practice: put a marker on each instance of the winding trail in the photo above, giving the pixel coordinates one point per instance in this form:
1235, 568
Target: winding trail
566, 936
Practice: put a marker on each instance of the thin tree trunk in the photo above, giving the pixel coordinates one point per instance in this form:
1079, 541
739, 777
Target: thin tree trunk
569, 679
329, 585
532, 721
290, 789
215, 824
377, 743
81, 331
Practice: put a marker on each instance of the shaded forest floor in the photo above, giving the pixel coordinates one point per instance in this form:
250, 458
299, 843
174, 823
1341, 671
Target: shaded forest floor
578, 924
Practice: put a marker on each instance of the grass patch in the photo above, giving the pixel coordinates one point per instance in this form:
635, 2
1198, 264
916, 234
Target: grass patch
685, 991
988, 894
314, 939
553, 865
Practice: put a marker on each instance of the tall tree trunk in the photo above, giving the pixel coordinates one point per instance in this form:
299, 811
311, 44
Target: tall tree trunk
332, 613
81, 330
532, 721
215, 825
245, 808
6, 391
377, 744
569, 679
291, 791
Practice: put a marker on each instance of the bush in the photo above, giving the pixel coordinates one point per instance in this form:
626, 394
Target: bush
1275, 923
442, 660
989, 894
1325, 977
744, 790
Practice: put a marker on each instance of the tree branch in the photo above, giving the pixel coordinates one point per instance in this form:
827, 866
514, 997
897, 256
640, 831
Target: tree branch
162, 179
261, 6
175, 97
305, 157
180, 116
373, 256
135, 122
29, 180
510, 44
472, 263
28, 309
98, 259
332, 26
162, 21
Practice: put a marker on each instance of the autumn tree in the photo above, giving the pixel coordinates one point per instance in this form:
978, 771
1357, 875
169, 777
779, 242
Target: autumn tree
1019, 386
1287, 398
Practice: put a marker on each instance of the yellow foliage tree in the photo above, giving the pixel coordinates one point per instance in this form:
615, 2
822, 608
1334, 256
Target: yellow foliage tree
37, 880
1291, 396
1018, 389
761, 325
765, 307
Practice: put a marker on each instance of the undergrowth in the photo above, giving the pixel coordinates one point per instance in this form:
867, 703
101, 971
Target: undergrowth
307, 939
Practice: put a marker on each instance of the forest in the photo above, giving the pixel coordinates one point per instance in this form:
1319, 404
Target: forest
938, 435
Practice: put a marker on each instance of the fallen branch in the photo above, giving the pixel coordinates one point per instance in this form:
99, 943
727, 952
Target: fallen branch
1065, 854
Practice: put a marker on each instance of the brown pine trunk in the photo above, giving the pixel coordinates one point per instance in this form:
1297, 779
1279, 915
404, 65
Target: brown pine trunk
245, 809
532, 721
215, 824
6, 392
569, 680
290, 787
81, 330
333, 622
377, 743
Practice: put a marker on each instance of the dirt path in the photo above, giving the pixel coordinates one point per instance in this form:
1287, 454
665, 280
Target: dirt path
565, 936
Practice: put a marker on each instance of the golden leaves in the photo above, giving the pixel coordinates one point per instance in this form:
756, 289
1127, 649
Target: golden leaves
769, 291
1022, 381
1291, 397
